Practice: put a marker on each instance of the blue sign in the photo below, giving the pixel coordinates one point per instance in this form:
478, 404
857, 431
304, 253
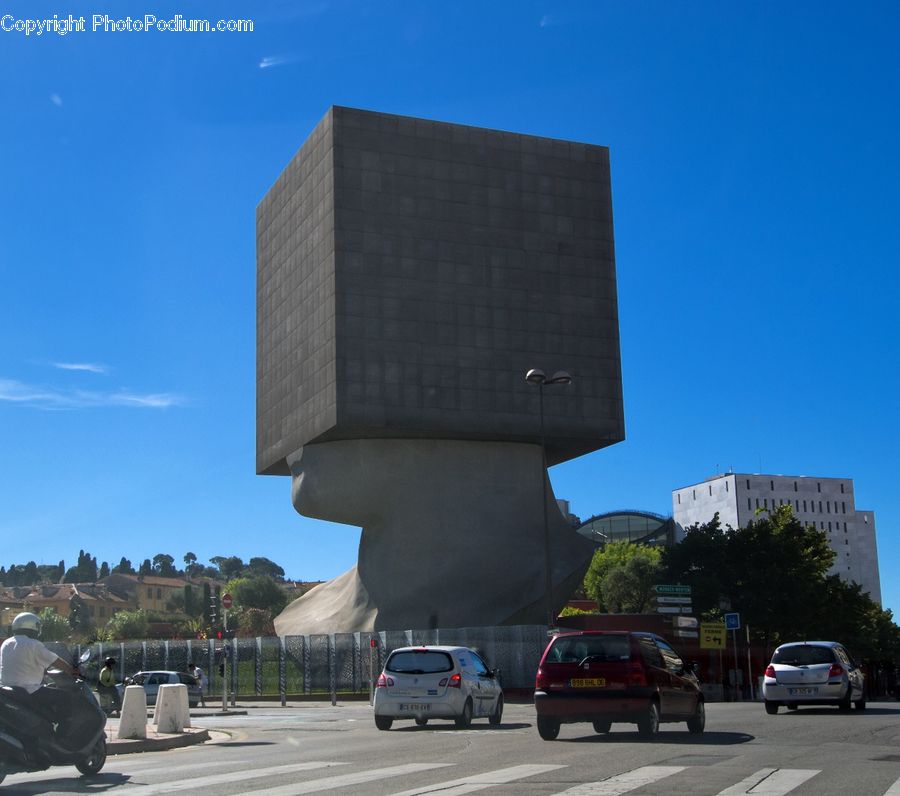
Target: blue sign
732, 621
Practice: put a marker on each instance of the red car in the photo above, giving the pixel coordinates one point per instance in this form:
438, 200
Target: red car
605, 677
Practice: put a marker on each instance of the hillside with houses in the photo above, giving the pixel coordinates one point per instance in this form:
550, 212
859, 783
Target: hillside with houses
90, 602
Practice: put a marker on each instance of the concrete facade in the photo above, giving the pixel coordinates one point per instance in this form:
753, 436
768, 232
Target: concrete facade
827, 503
410, 272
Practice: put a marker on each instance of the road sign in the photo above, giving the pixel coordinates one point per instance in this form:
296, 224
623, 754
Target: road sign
669, 609
732, 621
686, 633
712, 635
687, 622
668, 588
226, 601
673, 600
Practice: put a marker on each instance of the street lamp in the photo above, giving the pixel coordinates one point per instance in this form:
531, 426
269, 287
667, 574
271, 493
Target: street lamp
537, 378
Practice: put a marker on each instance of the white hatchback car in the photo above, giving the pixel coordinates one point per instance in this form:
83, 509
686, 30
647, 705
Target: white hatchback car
437, 682
813, 673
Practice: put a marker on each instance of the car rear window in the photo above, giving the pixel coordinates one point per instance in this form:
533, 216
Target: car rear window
574, 649
187, 679
419, 662
806, 655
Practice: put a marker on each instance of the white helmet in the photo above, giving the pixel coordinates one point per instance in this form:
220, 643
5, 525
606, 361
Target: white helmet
27, 623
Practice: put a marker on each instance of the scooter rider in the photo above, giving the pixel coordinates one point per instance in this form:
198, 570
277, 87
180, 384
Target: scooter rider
24, 660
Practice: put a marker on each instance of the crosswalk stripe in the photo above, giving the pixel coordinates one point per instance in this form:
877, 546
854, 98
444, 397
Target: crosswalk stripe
894, 790
480, 781
194, 783
622, 783
346, 780
771, 782
116, 765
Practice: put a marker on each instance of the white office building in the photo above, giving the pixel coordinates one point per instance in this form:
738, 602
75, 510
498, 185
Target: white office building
827, 503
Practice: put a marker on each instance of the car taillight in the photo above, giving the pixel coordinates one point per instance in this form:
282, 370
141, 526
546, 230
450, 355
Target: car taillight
770, 671
836, 670
541, 681
384, 681
636, 674
455, 681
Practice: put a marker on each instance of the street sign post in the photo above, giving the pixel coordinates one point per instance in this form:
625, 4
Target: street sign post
712, 635
732, 621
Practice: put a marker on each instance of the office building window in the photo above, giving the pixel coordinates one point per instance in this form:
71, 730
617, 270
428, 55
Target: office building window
845, 527
149, 594
819, 486
679, 498
842, 489
796, 505
748, 483
820, 507
804, 505
710, 490
772, 485
766, 504
749, 505
821, 525
843, 507
829, 527
159, 594
726, 486
694, 491
795, 486
757, 502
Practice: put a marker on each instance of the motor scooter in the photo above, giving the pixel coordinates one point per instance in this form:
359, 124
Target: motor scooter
32, 741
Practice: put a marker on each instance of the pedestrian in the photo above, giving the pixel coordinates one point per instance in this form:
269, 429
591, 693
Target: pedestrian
106, 687
200, 677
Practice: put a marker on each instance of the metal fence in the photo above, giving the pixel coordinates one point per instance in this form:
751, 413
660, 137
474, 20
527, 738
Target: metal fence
333, 664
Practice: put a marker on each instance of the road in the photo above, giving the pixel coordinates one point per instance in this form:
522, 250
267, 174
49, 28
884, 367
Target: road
275, 751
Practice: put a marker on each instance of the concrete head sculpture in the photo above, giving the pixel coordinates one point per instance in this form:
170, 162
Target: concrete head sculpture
409, 274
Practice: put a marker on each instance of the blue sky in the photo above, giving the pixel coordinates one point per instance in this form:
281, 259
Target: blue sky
755, 172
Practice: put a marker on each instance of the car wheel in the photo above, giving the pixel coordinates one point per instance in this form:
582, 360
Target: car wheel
95, 760
602, 726
697, 723
846, 702
421, 722
465, 718
771, 707
383, 722
548, 729
497, 715
648, 724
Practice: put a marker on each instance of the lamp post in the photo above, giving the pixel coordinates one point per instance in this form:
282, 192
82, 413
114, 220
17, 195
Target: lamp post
537, 378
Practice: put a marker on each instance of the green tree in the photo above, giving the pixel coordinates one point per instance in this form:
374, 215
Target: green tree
613, 582
164, 565
128, 625
123, 567
53, 626
230, 567
85, 571
79, 617
263, 567
256, 622
258, 592
628, 589
104, 571
146, 567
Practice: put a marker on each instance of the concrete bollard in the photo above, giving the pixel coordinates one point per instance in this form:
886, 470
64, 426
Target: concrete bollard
133, 719
185, 707
168, 714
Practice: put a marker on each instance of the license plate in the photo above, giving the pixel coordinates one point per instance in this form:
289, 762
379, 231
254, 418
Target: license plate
802, 691
415, 706
588, 682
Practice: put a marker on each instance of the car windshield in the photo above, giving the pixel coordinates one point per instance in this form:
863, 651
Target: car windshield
574, 649
804, 655
419, 662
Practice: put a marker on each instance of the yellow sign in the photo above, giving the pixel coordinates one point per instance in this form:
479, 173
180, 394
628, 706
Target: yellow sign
712, 635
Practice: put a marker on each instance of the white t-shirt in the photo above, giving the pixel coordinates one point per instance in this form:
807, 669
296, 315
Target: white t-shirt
201, 677
23, 661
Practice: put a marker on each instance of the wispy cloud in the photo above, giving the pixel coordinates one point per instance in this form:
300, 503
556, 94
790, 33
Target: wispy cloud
90, 367
270, 61
56, 100
549, 21
40, 397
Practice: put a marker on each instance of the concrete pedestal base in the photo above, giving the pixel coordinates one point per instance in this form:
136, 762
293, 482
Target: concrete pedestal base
452, 535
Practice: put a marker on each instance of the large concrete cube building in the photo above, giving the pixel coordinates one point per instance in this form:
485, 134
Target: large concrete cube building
410, 272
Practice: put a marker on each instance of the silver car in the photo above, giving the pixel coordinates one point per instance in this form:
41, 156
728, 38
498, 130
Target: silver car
813, 673
435, 682
151, 681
